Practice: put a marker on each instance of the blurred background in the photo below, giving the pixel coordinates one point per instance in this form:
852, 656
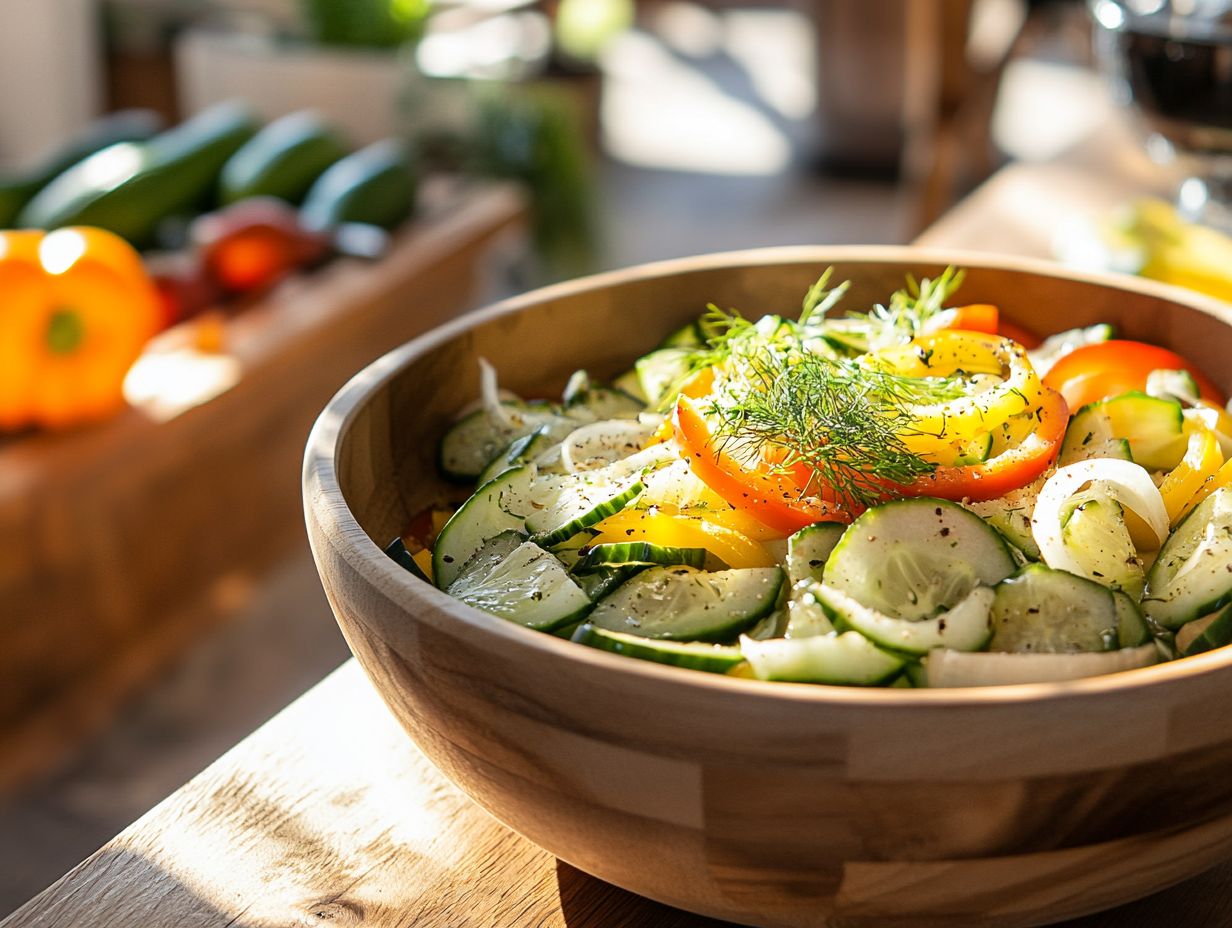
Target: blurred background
311, 182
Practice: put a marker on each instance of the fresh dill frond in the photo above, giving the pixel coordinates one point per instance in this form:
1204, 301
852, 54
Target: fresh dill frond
840, 420
821, 298
911, 308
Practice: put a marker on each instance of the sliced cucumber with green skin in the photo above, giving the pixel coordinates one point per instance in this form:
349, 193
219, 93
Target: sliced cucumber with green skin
944, 668
773, 625
1011, 516
1173, 385
809, 548
713, 658
564, 506
1117, 448
686, 604
601, 583
474, 441
630, 383
1205, 634
687, 336
963, 628
396, 550
1053, 611
1055, 347
1095, 533
521, 450
1132, 629
603, 443
528, 586
1152, 427
806, 616
914, 558
1192, 576
659, 372
486, 559
622, 553
848, 659
499, 505
597, 401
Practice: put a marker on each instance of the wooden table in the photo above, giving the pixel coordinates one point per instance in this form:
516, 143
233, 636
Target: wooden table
328, 813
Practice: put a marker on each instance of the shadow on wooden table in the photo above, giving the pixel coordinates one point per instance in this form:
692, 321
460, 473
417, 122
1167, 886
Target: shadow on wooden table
587, 902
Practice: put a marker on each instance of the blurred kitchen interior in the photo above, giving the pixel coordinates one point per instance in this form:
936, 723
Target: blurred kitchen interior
672, 128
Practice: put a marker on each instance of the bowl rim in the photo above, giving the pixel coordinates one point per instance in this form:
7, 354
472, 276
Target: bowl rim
326, 503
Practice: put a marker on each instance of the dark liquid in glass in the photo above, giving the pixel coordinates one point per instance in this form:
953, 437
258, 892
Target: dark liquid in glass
1181, 85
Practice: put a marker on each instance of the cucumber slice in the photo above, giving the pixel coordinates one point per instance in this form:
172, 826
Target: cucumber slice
660, 372
713, 658
955, 668
687, 336
595, 401
1096, 535
1132, 629
475, 440
1205, 634
1192, 576
631, 384
806, 617
1044, 610
914, 558
1011, 516
686, 604
396, 550
1117, 448
808, 549
623, 553
520, 450
1173, 385
499, 505
848, 659
486, 559
601, 583
1055, 347
963, 628
563, 506
1151, 426
528, 586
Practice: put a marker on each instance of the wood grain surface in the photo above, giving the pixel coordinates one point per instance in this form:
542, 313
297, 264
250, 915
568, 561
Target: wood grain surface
330, 815
120, 544
780, 805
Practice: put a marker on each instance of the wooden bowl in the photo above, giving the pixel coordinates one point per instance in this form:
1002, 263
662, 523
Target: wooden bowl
768, 804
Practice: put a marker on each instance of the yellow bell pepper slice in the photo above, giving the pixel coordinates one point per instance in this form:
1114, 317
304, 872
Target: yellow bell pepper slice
1201, 462
675, 529
935, 427
1221, 478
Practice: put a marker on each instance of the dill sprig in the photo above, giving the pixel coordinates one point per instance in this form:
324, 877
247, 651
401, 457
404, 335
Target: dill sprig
840, 420
909, 310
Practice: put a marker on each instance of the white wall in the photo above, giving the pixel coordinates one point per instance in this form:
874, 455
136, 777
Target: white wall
50, 74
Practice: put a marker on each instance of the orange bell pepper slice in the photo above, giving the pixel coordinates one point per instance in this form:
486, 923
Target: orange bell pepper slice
774, 499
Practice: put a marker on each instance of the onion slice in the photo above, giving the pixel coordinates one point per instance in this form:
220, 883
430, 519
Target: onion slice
597, 444
489, 394
1126, 482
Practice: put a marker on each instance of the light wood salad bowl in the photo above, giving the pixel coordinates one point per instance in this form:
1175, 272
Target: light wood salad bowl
769, 803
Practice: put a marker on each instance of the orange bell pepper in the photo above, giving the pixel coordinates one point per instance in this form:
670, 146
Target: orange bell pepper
77, 309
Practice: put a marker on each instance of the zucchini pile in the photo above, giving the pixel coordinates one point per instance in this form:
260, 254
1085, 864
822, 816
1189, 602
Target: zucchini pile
588, 523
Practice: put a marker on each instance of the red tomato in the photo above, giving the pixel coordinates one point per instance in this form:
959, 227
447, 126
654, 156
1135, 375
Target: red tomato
1096, 372
773, 499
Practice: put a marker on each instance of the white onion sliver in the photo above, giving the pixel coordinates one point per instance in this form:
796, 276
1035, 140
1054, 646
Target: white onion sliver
600, 443
489, 394
1128, 483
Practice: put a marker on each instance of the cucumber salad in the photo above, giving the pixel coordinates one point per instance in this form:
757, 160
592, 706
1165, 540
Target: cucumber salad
914, 494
